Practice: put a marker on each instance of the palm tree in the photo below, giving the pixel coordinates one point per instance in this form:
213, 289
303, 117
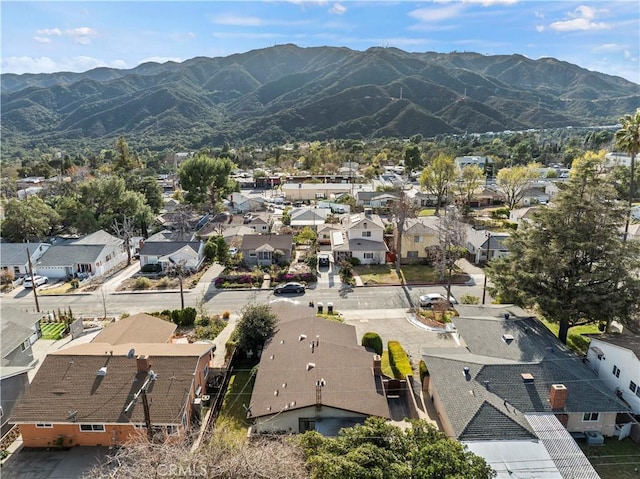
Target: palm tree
627, 139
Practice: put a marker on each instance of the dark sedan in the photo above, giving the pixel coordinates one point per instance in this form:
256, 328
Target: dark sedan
289, 288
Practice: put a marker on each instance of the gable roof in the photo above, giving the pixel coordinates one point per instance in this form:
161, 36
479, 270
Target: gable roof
99, 237
16, 326
16, 253
357, 221
627, 341
139, 328
67, 381
423, 224
253, 242
345, 367
164, 248
70, 254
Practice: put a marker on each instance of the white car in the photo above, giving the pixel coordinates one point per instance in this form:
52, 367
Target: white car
37, 280
428, 300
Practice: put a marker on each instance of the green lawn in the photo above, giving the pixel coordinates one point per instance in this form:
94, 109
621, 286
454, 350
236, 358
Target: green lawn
233, 415
615, 459
52, 330
427, 212
419, 273
575, 341
377, 274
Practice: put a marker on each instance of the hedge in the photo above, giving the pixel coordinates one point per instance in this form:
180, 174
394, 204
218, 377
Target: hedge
398, 360
248, 279
298, 277
424, 371
372, 341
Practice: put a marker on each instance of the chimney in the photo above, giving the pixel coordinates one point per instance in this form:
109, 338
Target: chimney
377, 365
143, 364
558, 396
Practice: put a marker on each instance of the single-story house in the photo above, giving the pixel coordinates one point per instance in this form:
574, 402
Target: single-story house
19, 330
374, 199
13, 256
13, 382
241, 203
139, 328
266, 249
90, 394
308, 216
315, 191
92, 255
615, 359
313, 375
260, 223
169, 253
485, 245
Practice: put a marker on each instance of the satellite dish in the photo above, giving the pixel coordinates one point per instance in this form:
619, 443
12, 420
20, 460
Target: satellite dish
131, 353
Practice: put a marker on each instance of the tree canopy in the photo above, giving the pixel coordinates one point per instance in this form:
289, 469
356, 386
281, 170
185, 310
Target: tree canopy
204, 178
256, 325
437, 176
513, 182
572, 262
380, 450
28, 220
628, 139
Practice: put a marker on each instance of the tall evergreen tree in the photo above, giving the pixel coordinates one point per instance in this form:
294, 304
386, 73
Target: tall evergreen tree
572, 262
628, 139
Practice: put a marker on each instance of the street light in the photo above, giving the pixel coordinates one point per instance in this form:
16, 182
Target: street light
484, 286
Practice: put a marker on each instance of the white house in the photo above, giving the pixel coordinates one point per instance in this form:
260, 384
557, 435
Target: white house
241, 203
168, 253
13, 256
485, 245
480, 161
615, 358
363, 238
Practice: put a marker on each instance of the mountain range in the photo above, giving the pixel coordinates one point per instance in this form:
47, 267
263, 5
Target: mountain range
286, 93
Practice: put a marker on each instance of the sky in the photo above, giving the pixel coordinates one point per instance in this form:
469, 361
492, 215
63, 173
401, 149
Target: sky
52, 36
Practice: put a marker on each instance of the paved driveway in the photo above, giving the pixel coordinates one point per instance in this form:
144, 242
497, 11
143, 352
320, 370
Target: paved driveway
42, 464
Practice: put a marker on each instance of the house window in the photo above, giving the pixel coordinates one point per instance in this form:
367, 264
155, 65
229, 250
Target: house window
92, 427
366, 234
252, 254
412, 254
25, 345
264, 255
44, 425
16, 270
368, 255
590, 416
172, 430
418, 239
616, 371
633, 386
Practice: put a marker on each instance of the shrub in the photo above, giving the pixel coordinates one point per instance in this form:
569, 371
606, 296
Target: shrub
311, 261
151, 268
372, 341
7, 276
184, 317
469, 299
500, 213
398, 360
354, 261
163, 283
298, 277
424, 371
142, 283
226, 314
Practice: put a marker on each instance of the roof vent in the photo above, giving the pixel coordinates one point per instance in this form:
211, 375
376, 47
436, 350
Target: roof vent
527, 378
506, 315
302, 337
102, 371
507, 338
275, 393
284, 385
310, 366
466, 371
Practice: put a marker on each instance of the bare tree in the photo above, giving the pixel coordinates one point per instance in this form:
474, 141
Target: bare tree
451, 245
124, 230
181, 270
401, 210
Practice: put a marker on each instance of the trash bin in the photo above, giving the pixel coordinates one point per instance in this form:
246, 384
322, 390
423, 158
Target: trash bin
320, 307
330, 308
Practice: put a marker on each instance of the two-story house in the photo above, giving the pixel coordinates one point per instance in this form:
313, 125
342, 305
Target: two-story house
418, 235
362, 238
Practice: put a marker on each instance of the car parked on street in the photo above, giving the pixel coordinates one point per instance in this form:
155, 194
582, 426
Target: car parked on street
37, 280
289, 288
431, 299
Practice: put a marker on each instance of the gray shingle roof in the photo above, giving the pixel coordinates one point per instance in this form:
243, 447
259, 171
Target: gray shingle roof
281, 242
627, 341
163, 248
15, 254
100, 237
15, 327
70, 254
345, 366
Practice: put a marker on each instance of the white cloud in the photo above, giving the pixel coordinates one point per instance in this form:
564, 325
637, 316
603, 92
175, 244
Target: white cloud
540, 28
581, 19
427, 15
338, 9
26, 64
120, 64
42, 39
81, 35
609, 47
238, 21
49, 31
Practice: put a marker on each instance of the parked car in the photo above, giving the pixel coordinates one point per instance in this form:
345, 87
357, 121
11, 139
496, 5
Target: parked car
428, 300
233, 251
323, 260
289, 288
37, 280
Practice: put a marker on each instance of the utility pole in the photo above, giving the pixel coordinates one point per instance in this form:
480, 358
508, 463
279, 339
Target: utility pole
147, 414
484, 286
33, 283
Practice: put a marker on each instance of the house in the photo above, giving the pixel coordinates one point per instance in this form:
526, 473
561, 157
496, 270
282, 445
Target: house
266, 249
169, 253
13, 382
260, 223
325, 232
308, 216
241, 203
615, 359
315, 191
90, 395
92, 255
168, 235
362, 238
523, 215
487, 197
139, 328
313, 375
13, 256
374, 199
512, 366
19, 330
485, 245
480, 161
419, 234
421, 199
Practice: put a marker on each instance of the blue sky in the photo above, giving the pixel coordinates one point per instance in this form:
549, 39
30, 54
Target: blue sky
44, 37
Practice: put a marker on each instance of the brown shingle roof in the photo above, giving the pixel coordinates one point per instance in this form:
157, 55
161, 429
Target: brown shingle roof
139, 328
67, 382
345, 366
